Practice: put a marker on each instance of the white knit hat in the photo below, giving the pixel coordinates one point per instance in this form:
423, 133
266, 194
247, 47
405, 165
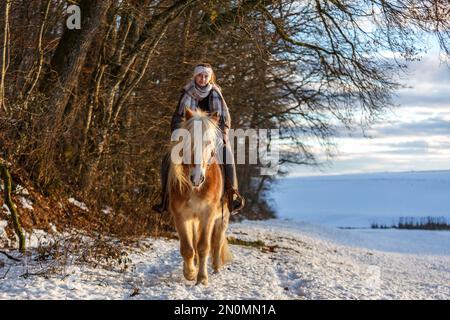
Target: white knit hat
202, 69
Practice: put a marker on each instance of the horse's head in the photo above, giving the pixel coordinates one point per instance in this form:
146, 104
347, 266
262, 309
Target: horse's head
203, 142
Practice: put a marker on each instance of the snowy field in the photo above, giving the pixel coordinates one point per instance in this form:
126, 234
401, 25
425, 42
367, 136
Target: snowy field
326, 203
361, 199
296, 262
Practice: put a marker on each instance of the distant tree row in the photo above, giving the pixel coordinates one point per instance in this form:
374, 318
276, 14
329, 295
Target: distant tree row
421, 223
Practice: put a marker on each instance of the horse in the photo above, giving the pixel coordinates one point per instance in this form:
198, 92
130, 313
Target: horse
196, 199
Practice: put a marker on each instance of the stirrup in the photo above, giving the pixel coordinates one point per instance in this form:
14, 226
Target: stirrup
237, 204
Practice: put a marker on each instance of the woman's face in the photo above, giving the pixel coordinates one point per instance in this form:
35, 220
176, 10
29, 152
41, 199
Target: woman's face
202, 79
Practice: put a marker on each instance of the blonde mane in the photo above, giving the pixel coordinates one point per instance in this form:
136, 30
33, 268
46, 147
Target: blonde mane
178, 177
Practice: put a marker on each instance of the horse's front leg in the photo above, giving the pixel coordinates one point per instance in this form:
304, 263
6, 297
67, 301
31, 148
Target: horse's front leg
184, 229
204, 247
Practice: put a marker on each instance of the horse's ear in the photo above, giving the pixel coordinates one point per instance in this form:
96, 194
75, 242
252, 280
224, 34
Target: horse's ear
188, 114
215, 117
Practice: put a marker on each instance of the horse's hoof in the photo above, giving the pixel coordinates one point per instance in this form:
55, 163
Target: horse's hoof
189, 275
202, 280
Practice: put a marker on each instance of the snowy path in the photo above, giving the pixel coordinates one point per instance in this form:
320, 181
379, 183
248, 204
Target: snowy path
300, 267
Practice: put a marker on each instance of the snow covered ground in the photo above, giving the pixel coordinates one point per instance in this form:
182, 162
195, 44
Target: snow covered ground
302, 255
324, 203
297, 262
361, 199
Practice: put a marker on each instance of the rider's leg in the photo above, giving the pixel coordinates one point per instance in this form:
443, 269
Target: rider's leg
165, 166
236, 201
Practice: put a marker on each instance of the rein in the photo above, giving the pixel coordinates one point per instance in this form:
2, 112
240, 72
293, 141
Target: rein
224, 173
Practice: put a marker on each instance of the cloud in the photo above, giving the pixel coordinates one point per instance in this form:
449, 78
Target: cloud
442, 145
416, 144
428, 84
406, 148
415, 136
410, 151
431, 126
412, 98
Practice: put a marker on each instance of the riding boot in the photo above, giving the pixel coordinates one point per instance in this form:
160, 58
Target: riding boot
235, 201
162, 207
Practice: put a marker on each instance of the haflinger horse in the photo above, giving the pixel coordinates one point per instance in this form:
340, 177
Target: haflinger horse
196, 198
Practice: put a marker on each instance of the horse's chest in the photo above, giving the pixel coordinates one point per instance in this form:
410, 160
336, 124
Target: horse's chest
194, 203
194, 206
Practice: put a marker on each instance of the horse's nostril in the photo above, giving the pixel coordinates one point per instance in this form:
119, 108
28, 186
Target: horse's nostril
202, 179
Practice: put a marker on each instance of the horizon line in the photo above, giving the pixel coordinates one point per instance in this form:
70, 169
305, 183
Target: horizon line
363, 173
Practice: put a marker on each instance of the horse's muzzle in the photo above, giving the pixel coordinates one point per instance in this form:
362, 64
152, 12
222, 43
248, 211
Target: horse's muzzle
199, 182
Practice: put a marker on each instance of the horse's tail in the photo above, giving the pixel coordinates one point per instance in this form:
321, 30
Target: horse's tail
226, 255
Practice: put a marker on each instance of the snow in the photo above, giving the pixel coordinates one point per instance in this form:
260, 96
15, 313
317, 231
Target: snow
107, 210
323, 203
78, 204
53, 228
22, 190
3, 225
26, 203
302, 264
421, 242
361, 199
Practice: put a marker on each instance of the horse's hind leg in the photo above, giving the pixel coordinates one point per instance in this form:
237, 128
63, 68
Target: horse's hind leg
203, 247
184, 229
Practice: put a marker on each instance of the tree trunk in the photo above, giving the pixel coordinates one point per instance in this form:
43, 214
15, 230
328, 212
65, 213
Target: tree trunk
66, 66
70, 54
6, 177
5, 57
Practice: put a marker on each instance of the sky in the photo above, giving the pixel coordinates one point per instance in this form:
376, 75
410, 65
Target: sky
415, 136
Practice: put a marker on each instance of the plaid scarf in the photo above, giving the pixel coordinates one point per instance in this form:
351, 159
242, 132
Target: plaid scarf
193, 94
